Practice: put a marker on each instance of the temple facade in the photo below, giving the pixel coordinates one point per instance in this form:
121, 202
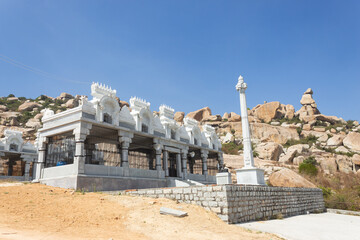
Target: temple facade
100, 146
16, 156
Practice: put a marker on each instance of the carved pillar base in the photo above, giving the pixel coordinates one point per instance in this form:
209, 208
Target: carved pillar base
250, 176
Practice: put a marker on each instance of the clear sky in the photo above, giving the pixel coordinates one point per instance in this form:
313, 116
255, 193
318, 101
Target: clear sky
187, 54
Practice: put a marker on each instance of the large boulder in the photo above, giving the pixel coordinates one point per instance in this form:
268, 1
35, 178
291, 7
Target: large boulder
72, 103
33, 123
335, 140
344, 163
289, 111
267, 111
356, 159
327, 163
288, 157
321, 136
288, 178
200, 114
269, 151
352, 141
226, 116
234, 117
278, 134
179, 117
65, 97
329, 119
299, 148
212, 118
28, 106
3, 108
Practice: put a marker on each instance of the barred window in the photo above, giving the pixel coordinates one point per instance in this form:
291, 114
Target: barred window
60, 150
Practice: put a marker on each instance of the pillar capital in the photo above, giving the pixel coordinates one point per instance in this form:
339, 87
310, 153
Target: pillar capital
241, 85
125, 140
204, 153
158, 148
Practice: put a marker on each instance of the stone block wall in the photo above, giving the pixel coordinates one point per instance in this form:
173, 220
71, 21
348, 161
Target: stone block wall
240, 203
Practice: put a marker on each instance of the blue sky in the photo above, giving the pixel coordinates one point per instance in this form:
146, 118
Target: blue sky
186, 54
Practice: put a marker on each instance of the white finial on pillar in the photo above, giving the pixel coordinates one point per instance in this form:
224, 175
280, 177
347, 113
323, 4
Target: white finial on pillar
249, 174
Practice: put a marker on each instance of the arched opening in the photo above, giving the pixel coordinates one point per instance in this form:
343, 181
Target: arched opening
107, 118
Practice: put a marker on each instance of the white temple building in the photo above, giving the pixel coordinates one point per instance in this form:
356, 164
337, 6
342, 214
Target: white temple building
100, 146
16, 156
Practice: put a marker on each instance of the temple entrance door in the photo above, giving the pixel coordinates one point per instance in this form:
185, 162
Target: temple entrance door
172, 165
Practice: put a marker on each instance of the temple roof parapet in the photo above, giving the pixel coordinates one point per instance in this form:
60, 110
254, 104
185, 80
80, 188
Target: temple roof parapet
105, 108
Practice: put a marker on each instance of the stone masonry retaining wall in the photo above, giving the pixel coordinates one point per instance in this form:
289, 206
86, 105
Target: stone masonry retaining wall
240, 203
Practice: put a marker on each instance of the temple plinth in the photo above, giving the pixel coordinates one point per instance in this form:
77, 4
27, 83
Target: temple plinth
249, 174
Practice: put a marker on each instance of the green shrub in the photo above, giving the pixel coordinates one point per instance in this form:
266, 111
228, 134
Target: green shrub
308, 167
326, 191
299, 130
11, 95
294, 120
232, 131
311, 139
231, 148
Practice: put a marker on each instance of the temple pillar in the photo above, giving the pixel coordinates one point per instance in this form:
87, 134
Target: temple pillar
184, 157
28, 159
39, 164
204, 156
158, 150
166, 162
178, 165
79, 160
125, 143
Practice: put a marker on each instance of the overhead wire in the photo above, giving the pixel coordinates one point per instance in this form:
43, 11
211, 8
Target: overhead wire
37, 71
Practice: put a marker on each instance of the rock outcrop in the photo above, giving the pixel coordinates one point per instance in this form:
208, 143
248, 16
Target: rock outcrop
288, 178
179, 116
200, 114
352, 141
269, 151
267, 111
28, 106
309, 108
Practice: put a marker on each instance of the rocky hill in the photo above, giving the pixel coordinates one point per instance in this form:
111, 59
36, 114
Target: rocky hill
285, 142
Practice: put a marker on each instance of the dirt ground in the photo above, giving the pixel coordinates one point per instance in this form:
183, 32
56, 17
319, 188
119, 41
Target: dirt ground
35, 211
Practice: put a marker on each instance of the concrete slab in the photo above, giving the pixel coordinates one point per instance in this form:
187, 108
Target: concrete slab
324, 226
172, 212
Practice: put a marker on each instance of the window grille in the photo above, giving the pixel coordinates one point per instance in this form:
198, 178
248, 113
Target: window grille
60, 150
213, 165
194, 165
107, 154
141, 160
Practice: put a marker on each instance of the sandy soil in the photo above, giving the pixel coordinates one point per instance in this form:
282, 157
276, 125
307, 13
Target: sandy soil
34, 211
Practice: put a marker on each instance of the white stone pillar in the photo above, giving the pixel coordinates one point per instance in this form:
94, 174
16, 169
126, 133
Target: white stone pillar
39, 164
204, 156
249, 174
184, 154
178, 165
166, 162
28, 159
